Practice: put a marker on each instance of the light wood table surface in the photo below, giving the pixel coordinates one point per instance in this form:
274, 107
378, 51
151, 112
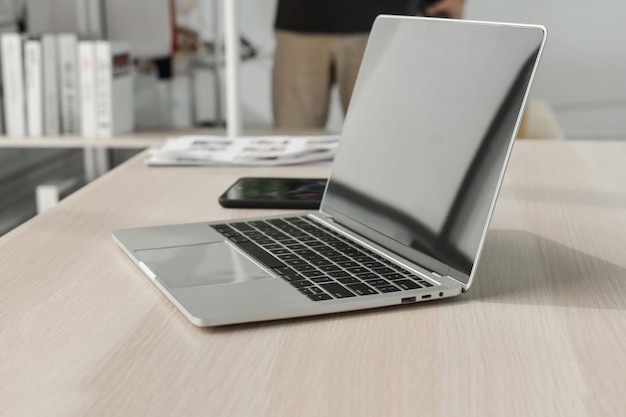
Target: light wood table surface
541, 333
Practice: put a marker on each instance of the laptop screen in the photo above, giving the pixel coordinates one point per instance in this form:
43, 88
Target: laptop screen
427, 135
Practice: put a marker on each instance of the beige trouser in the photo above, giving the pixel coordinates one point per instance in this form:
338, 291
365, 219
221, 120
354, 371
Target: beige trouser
305, 68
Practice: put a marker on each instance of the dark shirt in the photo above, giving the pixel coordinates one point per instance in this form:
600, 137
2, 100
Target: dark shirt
337, 16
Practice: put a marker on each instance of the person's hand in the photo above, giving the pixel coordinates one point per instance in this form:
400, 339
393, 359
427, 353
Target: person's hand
449, 8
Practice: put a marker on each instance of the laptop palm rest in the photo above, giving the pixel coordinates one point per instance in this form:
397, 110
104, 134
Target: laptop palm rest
200, 264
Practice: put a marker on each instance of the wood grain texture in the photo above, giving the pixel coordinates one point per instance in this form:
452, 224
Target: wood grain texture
541, 333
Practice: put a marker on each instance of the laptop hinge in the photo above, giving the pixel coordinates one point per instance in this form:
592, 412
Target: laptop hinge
434, 274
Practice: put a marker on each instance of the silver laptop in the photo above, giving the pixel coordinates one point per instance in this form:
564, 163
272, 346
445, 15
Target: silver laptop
422, 155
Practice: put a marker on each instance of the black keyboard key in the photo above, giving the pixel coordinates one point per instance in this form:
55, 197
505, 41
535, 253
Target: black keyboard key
358, 270
280, 251
319, 297
278, 236
347, 264
307, 290
323, 249
242, 227
384, 270
288, 257
293, 260
273, 246
238, 239
329, 268
311, 290
368, 275
337, 290
338, 274
352, 253
312, 273
362, 289
260, 254
371, 263
260, 224
222, 228
308, 255
297, 246
284, 270
349, 280
278, 222
319, 261
256, 237
394, 276
292, 277
338, 258
379, 282
329, 253
304, 267
339, 246
407, 284
301, 283
388, 288
319, 234
321, 279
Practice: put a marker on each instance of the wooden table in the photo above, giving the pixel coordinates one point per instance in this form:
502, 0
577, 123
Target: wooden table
541, 333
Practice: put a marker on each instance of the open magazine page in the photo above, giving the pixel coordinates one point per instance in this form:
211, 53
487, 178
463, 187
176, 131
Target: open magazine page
256, 150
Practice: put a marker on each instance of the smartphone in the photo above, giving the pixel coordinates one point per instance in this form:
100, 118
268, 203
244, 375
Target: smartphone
275, 193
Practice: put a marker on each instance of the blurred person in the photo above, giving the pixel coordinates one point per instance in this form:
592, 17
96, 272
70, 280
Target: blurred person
320, 43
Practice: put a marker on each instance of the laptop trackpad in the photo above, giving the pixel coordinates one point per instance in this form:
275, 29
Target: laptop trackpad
200, 264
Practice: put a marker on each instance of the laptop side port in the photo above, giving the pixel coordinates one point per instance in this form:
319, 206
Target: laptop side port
427, 296
407, 300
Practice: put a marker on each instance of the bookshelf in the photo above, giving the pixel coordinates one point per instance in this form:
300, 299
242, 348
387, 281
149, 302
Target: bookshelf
26, 169
135, 140
28, 163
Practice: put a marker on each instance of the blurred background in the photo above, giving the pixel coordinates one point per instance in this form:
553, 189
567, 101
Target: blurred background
582, 76
179, 81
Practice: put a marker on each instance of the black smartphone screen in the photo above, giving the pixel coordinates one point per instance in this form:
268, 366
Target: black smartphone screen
287, 193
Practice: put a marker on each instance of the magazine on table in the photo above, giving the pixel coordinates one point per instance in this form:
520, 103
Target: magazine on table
252, 150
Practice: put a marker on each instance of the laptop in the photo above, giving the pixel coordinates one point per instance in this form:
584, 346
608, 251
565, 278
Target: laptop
422, 155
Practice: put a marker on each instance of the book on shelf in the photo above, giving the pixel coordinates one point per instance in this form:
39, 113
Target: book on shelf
1, 110
114, 89
33, 74
13, 84
87, 88
60, 85
52, 117
68, 84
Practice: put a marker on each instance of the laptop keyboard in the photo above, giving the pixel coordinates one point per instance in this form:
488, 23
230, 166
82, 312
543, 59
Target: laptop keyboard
319, 262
